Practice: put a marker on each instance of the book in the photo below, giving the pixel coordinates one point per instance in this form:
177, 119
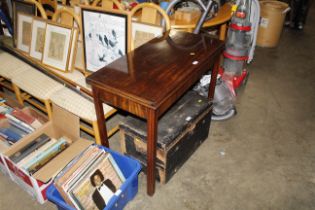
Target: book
3, 144
27, 118
24, 117
36, 124
29, 148
36, 153
5, 109
2, 116
38, 161
2, 100
48, 157
20, 127
10, 135
17, 130
16, 121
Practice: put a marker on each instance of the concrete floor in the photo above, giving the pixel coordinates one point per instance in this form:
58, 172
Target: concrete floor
264, 158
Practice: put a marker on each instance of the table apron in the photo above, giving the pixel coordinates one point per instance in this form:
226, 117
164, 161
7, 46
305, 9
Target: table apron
124, 104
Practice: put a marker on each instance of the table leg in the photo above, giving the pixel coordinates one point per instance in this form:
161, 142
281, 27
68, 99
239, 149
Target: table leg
213, 80
222, 32
100, 118
151, 150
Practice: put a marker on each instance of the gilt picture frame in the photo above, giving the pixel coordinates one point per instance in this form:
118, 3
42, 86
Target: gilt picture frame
79, 63
57, 46
24, 32
73, 50
38, 38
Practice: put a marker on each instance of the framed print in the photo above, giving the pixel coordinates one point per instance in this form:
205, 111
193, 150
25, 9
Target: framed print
57, 46
24, 32
73, 50
38, 38
142, 33
79, 58
104, 35
23, 7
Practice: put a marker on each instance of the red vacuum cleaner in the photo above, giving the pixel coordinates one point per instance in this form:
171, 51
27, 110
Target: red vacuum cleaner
237, 46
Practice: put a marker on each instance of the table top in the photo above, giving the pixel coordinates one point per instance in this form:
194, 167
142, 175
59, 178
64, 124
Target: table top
159, 69
224, 15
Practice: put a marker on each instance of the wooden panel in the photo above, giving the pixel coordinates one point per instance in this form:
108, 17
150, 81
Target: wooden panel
149, 15
124, 103
66, 18
106, 4
224, 15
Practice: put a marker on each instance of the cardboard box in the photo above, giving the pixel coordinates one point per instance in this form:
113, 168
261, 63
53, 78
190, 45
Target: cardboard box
42, 118
63, 123
187, 16
3, 166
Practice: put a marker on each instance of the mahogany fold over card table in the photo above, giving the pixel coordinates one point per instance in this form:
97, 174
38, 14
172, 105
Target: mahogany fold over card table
148, 80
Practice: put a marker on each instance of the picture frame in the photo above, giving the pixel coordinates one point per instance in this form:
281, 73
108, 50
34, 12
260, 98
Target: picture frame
73, 50
105, 36
23, 7
79, 63
57, 46
38, 38
143, 32
24, 32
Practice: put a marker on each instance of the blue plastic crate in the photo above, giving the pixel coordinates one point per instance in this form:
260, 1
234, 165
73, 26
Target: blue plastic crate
129, 167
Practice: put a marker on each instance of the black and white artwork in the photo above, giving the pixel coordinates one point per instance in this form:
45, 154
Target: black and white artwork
105, 38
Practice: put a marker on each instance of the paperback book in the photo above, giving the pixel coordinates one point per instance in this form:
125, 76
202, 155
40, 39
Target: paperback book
29, 148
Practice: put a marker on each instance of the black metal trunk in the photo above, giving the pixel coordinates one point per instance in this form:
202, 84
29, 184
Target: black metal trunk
180, 131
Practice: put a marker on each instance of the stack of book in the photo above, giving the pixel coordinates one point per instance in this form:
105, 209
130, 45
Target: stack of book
90, 180
15, 124
37, 153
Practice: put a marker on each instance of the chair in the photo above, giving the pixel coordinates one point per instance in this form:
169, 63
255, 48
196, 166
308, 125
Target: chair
50, 7
107, 4
66, 16
12, 67
27, 82
39, 8
84, 108
35, 84
149, 14
8, 70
